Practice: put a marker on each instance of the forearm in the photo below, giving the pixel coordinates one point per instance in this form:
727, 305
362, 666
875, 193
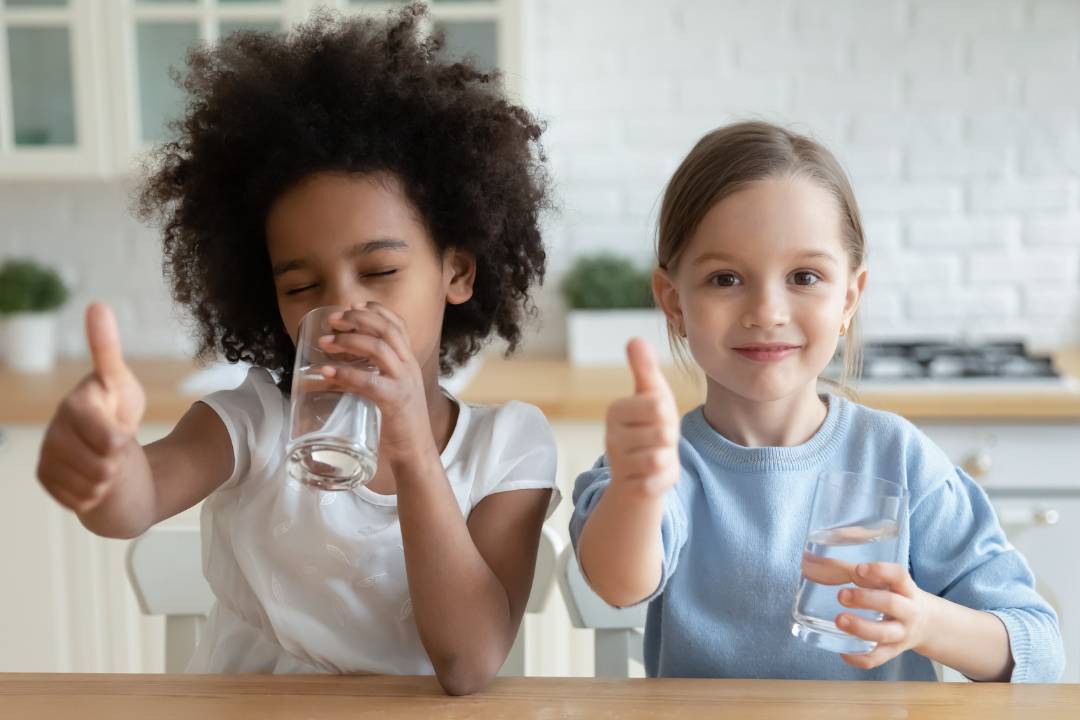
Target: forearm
972, 642
461, 608
620, 548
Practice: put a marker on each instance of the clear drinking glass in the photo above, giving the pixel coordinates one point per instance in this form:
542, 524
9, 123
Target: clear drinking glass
855, 518
333, 435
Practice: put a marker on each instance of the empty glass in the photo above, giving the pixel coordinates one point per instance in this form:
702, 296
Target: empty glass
333, 435
855, 518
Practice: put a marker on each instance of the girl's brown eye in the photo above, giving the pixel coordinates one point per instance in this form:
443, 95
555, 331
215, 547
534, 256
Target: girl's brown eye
805, 277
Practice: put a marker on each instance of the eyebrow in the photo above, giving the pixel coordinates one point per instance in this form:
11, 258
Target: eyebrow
364, 248
723, 257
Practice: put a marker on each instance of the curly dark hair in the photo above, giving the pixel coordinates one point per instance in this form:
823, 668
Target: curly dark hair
358, 95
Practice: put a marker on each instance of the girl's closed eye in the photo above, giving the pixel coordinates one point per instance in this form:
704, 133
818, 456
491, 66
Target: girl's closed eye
298, 290
379, 273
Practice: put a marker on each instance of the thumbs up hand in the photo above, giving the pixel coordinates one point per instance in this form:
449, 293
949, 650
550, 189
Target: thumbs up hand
642, 437
91, 434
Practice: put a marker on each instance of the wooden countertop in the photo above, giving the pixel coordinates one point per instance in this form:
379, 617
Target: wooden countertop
567, 392
561, 390
267, 697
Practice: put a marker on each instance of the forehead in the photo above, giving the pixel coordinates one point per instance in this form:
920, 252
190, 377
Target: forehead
769, 218
332, 207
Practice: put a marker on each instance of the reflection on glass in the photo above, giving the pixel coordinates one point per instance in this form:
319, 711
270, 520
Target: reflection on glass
475, 38
42, 94
161, 45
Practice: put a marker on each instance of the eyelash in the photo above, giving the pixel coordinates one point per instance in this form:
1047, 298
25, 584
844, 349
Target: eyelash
384, 273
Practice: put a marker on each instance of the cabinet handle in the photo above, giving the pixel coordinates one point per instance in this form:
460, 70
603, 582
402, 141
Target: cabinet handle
977, 464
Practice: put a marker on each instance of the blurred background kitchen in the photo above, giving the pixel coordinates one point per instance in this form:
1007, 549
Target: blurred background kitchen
958, 121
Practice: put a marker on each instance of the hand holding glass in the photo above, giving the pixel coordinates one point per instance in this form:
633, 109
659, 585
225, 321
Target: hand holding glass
855, 518
333, 435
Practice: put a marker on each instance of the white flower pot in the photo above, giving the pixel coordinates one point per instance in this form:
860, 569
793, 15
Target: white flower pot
599, 337
29, 341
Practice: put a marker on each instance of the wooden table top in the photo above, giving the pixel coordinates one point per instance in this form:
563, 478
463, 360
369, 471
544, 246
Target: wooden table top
221, 697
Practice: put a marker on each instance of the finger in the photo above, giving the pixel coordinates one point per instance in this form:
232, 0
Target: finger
641, 410
84, 415
648, 463
885, 576
64, 496
878, 656
370, 321
827, 571
366, 383
879, 631
389, 314
62, 484
62, 473
104, 339
646, 369
375, 350
71, 452
646, 437
888, 603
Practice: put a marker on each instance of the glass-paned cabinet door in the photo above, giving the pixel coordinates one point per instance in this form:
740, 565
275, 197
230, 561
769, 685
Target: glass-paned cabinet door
485, 30
157, 35
50, 123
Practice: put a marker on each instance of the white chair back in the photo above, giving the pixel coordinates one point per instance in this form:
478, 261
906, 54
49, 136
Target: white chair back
617, 634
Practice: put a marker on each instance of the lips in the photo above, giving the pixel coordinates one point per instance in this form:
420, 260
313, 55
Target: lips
767, 352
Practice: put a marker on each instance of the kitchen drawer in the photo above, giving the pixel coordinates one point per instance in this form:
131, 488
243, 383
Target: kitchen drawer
1023, 456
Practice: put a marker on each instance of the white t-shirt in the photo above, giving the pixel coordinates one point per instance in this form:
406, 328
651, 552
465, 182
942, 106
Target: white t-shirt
314, 581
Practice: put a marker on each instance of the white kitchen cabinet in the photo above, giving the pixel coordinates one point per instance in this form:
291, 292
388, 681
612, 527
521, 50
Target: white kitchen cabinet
53, 121
66, 604
85, 85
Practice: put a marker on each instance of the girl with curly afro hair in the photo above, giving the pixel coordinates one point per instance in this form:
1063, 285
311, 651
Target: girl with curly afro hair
347, 163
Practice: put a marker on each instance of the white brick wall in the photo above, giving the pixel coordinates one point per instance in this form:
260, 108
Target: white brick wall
958, 120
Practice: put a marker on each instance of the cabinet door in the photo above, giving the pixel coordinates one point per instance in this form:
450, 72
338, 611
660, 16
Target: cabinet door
68, 606
154, 37
50, 68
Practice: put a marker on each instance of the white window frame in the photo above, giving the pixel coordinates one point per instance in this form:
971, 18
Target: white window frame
88, 157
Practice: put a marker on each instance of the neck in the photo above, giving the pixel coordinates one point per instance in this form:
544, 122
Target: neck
784, 422
442, 411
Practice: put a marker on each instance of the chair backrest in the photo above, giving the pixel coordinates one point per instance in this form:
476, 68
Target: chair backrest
164, 566
547, 558
617, 634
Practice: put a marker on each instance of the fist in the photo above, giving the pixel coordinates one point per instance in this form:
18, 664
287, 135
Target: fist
94, 427
642, 439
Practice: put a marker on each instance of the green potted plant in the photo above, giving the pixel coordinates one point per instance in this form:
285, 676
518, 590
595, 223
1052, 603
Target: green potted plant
30, 295
609, 300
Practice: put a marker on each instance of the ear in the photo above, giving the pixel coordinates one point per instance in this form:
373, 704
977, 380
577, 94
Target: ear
459, 273
667, 299
854, 294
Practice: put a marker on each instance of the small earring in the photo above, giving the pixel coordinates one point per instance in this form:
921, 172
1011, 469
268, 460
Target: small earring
843, 330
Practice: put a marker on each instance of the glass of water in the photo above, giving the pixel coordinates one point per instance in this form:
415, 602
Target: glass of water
333, 435
855, 518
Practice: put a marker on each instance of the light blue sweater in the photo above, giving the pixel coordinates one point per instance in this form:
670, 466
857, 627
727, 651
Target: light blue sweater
733, 533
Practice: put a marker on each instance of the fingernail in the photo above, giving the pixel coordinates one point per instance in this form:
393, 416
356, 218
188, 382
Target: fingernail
843, 621
326, 338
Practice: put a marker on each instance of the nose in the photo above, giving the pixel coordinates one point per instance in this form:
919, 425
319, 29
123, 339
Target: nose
766, 308
343, 293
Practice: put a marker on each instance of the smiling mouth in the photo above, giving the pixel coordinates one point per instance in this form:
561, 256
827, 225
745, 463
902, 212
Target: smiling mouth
771, 352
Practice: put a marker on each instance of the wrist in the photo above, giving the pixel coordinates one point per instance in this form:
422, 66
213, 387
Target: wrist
930, 628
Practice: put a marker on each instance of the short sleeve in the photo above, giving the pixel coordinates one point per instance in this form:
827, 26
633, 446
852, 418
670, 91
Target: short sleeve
253, 415
523, 454
590, 487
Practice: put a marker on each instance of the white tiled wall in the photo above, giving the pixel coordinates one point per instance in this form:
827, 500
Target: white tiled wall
959, 121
